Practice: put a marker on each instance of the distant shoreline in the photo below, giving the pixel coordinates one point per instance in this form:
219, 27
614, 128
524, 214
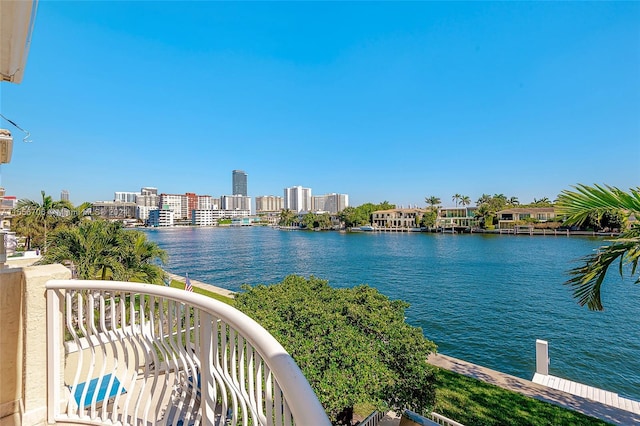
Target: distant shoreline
459, 230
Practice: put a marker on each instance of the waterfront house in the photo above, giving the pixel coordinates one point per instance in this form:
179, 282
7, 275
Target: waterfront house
397, 219
510, 218
456, 217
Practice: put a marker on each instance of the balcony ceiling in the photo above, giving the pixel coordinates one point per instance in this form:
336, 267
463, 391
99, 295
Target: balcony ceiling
16, 26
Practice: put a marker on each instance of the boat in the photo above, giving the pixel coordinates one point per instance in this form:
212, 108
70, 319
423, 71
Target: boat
367, 228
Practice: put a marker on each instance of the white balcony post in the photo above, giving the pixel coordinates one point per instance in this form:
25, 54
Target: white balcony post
54, 336
542, 357
206, 375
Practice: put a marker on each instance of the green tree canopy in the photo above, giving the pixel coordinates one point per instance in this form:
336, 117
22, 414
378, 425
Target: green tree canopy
488, 206
428, 220
352, 344
287, 217
582, 205
316, 220
362, 215
98, 249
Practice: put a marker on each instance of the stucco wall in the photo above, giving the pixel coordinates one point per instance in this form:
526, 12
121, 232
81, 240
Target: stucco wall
10, 341
23, 326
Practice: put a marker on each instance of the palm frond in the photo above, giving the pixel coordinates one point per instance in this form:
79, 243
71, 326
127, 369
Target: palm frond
586, 200
587, 279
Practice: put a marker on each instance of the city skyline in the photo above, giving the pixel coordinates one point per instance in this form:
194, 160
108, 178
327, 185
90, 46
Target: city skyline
381, 101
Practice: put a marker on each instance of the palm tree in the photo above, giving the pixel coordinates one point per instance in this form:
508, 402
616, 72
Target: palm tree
587, 201
28, 227
79, 213
286, 217
543, 200
138, 259
432, 201
42, 212
105, 250
484, 198
465, 200
455, 198
514, 201
500, 197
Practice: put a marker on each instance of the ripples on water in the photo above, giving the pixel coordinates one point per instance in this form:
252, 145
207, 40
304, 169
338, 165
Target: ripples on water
482, 298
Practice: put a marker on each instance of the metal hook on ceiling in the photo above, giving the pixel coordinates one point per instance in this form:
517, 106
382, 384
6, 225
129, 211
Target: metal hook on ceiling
27, 136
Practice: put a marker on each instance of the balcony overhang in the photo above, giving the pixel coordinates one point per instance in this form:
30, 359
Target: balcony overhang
16, 26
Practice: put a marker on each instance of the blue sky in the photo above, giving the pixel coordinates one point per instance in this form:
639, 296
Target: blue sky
383, 101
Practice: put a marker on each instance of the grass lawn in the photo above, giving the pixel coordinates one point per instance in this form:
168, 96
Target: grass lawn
225, 299
473, 402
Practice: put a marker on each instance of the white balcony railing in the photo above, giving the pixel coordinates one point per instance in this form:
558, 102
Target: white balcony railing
144, 354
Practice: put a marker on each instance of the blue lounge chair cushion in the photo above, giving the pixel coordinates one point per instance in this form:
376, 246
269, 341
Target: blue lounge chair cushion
102, 391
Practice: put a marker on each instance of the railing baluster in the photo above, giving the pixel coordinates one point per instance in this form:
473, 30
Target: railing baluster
173, 357
268, 385
277, 403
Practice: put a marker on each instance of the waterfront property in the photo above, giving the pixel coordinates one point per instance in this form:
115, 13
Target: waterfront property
161, 217
452, 218
448, 219
510, 218
395, 219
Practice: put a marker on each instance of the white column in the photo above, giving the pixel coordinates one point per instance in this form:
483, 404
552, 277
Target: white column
34, 341
542, 357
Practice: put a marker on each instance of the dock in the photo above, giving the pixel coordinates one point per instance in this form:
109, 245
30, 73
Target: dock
588, 392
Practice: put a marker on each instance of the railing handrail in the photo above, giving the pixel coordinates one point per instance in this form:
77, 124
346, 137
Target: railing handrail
303, 402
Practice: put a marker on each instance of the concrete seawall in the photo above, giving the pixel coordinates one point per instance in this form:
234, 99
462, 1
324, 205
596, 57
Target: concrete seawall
204, 286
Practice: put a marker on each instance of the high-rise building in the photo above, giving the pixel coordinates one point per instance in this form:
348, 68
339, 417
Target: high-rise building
235, 202
239, 182
191, 203
205, 202
161, 217
331, 203
64, 195
125, 197
268, 203
149, 190
173, 202
147, 200
297, 199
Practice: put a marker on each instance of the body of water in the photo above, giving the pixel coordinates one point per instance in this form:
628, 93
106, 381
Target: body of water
481, 298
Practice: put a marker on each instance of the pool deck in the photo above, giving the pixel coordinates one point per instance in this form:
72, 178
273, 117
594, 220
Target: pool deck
607, 412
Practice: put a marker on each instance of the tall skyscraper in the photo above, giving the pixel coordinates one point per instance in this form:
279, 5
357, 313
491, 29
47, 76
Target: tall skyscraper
64, 195
297, 199
239, 181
